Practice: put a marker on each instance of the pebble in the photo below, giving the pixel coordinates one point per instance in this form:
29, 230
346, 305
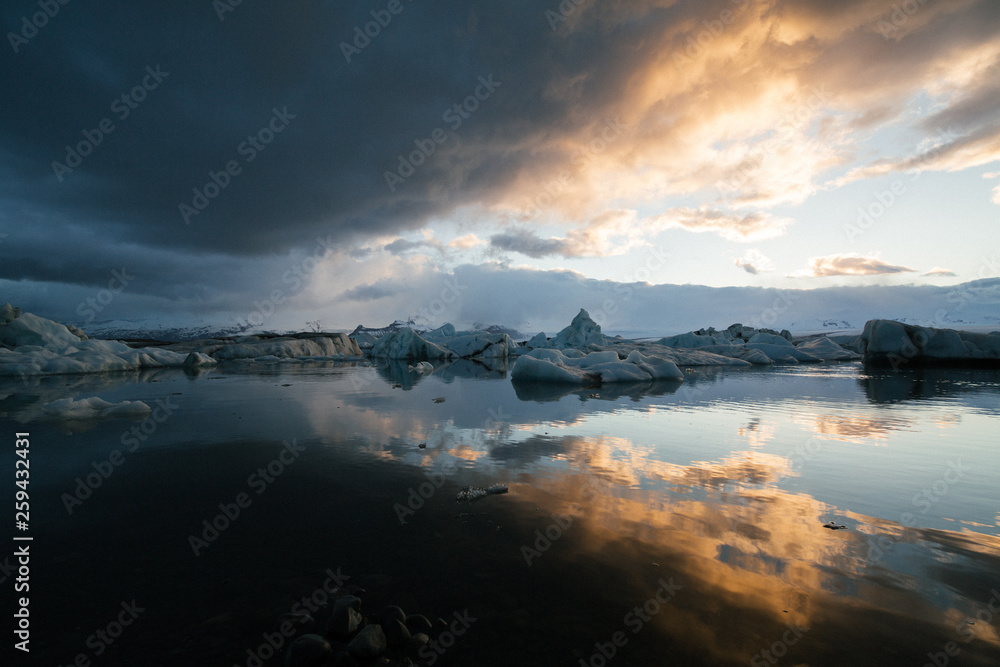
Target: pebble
416, 642
391, 612
369, 643
418, 623
396, 632
351, 601
344, 622
308, 651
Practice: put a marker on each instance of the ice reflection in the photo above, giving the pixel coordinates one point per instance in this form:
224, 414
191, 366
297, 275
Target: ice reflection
723, 482
855, 427
884, 387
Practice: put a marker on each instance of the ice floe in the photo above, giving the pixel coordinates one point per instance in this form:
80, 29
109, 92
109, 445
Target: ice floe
596, 368
94, 408
31, 345
894, 344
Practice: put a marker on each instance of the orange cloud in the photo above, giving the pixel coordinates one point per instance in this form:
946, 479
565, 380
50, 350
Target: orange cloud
848, 265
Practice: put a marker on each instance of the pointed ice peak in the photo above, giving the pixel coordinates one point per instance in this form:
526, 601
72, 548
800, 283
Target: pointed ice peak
581, 332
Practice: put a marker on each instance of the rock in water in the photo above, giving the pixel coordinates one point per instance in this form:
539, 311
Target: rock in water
369, 643
308, 651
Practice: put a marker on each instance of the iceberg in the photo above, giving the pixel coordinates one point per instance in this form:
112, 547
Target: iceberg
582, 332
94, 408
481, 345
596, 368
758, 346
538, 340
783, 354
406, 343
421, 368
445, 343
284, 347
693, 340
894, 344
823, 347
31, 345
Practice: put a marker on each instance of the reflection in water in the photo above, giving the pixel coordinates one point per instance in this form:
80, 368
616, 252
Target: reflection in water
927, 383
719, 485
847, 427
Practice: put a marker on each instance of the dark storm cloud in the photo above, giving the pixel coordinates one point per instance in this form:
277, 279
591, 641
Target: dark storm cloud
287, 140
203, 95
380, 290
528, 243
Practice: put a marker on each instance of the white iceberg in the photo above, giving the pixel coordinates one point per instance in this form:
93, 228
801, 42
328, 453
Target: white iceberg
738, 352
405, 343
783, 354
481, 345
32, 345
538, 340
195, 359
37, 346
446, 330
727, 355
550, 365
581, 332
826, 349
335, 346
421, 368
692, 340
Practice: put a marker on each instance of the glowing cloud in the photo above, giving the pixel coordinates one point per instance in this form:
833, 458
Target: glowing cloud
848, 265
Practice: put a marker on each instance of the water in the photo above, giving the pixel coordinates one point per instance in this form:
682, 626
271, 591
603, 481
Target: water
668, 523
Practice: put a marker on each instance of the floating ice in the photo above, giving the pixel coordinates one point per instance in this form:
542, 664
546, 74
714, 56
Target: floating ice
826, 349
545, 365
33, 345
471, 493
94, 408
889, 343
421, 367
581, 332
408, 344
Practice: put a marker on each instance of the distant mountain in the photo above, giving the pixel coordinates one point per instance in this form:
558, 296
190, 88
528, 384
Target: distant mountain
631, 310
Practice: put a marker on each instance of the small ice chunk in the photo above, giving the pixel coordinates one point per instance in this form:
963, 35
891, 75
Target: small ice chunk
94, 408
471, 493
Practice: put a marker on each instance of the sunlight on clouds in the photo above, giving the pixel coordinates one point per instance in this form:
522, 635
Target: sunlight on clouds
849, 264
754, 261
465, 242
733, 227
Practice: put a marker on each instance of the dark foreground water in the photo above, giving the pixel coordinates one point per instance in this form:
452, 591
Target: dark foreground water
662, 524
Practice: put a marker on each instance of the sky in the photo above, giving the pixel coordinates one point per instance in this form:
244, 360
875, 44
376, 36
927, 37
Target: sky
343, 163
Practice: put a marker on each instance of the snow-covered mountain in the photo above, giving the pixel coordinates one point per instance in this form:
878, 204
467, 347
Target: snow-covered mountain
640, 310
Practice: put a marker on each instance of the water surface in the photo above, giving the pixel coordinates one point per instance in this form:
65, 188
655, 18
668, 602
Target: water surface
684, 521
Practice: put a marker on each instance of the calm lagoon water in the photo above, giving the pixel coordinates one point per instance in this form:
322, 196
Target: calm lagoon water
670, 523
